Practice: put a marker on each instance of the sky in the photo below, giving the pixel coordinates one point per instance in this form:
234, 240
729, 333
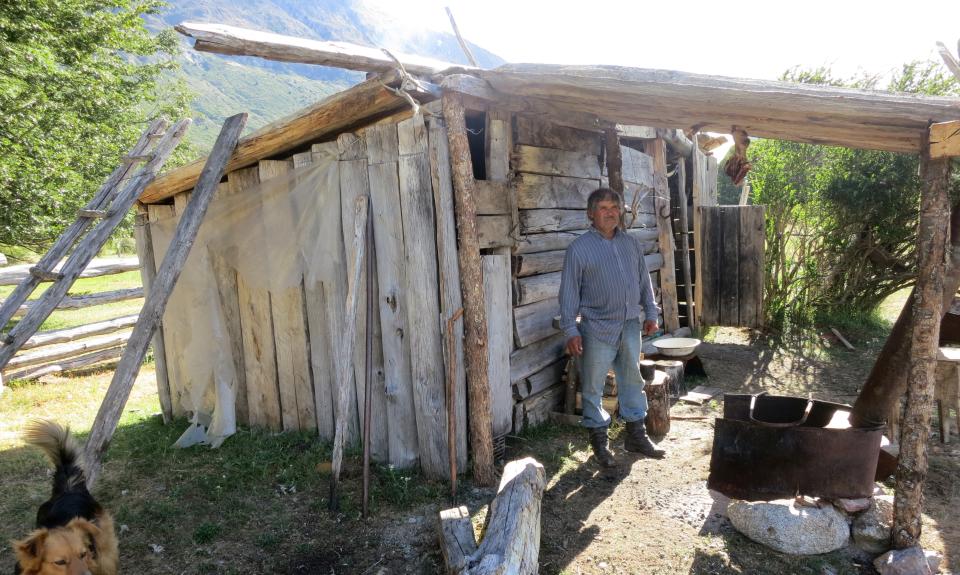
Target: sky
748, 39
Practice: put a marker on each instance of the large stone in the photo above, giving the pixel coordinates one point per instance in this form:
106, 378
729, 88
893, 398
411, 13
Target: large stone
852, 506
871, 529
909, 561
788, 528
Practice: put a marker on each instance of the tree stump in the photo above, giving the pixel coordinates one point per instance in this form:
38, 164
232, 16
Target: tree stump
658, 405
674, 369
511, 543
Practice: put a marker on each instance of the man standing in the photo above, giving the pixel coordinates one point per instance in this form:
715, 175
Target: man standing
605, 281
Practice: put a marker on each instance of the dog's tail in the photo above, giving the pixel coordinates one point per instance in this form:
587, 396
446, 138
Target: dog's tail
62, 449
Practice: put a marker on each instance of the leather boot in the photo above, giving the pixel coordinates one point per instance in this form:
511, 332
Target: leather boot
598, 441
638, 442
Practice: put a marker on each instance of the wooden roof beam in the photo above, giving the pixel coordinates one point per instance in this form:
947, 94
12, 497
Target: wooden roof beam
234, 41
337, 113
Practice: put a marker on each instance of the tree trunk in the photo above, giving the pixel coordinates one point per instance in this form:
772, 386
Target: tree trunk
471, 282
658, 405
887, 381
932, 246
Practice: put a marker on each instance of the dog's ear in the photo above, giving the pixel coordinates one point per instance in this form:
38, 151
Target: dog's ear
88, 533
29, 551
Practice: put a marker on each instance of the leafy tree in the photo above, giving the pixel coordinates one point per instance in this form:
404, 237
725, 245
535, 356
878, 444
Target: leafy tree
79, 80
841, 223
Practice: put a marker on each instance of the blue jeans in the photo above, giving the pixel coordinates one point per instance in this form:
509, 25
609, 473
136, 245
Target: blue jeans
595, 362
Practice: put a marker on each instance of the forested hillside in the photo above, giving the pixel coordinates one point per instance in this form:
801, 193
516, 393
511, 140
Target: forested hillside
226, 85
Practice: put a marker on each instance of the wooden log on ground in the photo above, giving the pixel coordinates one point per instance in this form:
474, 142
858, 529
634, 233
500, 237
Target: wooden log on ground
75, 333
658, 404
674, 370
67, 364
511, 542
471, 279
933, 239
123, 378
457, 541
13, 275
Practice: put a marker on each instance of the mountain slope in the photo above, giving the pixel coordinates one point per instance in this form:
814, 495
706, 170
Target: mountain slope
226, 85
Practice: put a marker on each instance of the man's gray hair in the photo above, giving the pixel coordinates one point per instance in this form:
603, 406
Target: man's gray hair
600, 194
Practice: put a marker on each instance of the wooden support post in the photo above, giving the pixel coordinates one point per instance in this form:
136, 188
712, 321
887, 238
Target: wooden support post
126, 373
471, 281
932, 244
148, 274
657, 149
685, 242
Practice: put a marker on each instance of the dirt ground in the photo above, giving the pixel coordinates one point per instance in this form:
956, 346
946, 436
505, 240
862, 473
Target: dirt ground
258, 505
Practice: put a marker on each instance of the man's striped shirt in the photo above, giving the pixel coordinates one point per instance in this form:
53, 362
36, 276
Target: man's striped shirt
605, 282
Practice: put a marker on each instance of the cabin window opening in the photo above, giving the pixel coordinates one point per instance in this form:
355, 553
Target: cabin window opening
476, 137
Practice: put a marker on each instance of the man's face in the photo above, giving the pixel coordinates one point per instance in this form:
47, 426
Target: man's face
605, 216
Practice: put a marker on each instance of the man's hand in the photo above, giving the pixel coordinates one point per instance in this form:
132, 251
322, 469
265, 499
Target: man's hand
649, 326
575, 346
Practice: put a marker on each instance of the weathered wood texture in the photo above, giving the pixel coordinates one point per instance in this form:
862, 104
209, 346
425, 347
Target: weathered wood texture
66, 364
68, 335
457, 541
945, 140
536, 191
235, 41
471, 279
666, 99
534, 322
550, 220
933, 240
496, 289
379, 153
731, 259
423, 305
684, 232
333, 115
657, 149
552, 162
259, 355
548, 377
703, 195
511, 542
49, 354
532, 358
84, 301
451, 300
123, 378
13, 275
657, 421
536, 132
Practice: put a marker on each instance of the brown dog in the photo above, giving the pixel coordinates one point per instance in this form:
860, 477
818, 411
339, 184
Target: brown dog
74, 535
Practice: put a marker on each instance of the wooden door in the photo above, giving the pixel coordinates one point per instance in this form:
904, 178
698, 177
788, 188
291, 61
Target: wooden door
732, 240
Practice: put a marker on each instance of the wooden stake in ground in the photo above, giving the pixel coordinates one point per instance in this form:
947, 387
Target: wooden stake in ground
156, 302
345, 356
932, 245
471, 282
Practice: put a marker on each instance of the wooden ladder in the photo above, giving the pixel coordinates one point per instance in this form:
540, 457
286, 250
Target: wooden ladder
108, 207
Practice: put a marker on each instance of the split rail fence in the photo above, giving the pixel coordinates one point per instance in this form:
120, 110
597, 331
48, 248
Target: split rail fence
76, 347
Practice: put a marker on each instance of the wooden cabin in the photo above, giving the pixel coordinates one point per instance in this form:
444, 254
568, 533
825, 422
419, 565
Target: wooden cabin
541, 138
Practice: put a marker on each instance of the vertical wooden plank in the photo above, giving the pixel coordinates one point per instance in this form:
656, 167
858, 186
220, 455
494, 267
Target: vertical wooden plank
382, 152
657, 149
450, 297
225, 277
685, 242
751, 266
148, 271
698, 165
286, 308
496, 291
423, 303
259, 356
708, 258
163, 222
354, 182
729, 265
